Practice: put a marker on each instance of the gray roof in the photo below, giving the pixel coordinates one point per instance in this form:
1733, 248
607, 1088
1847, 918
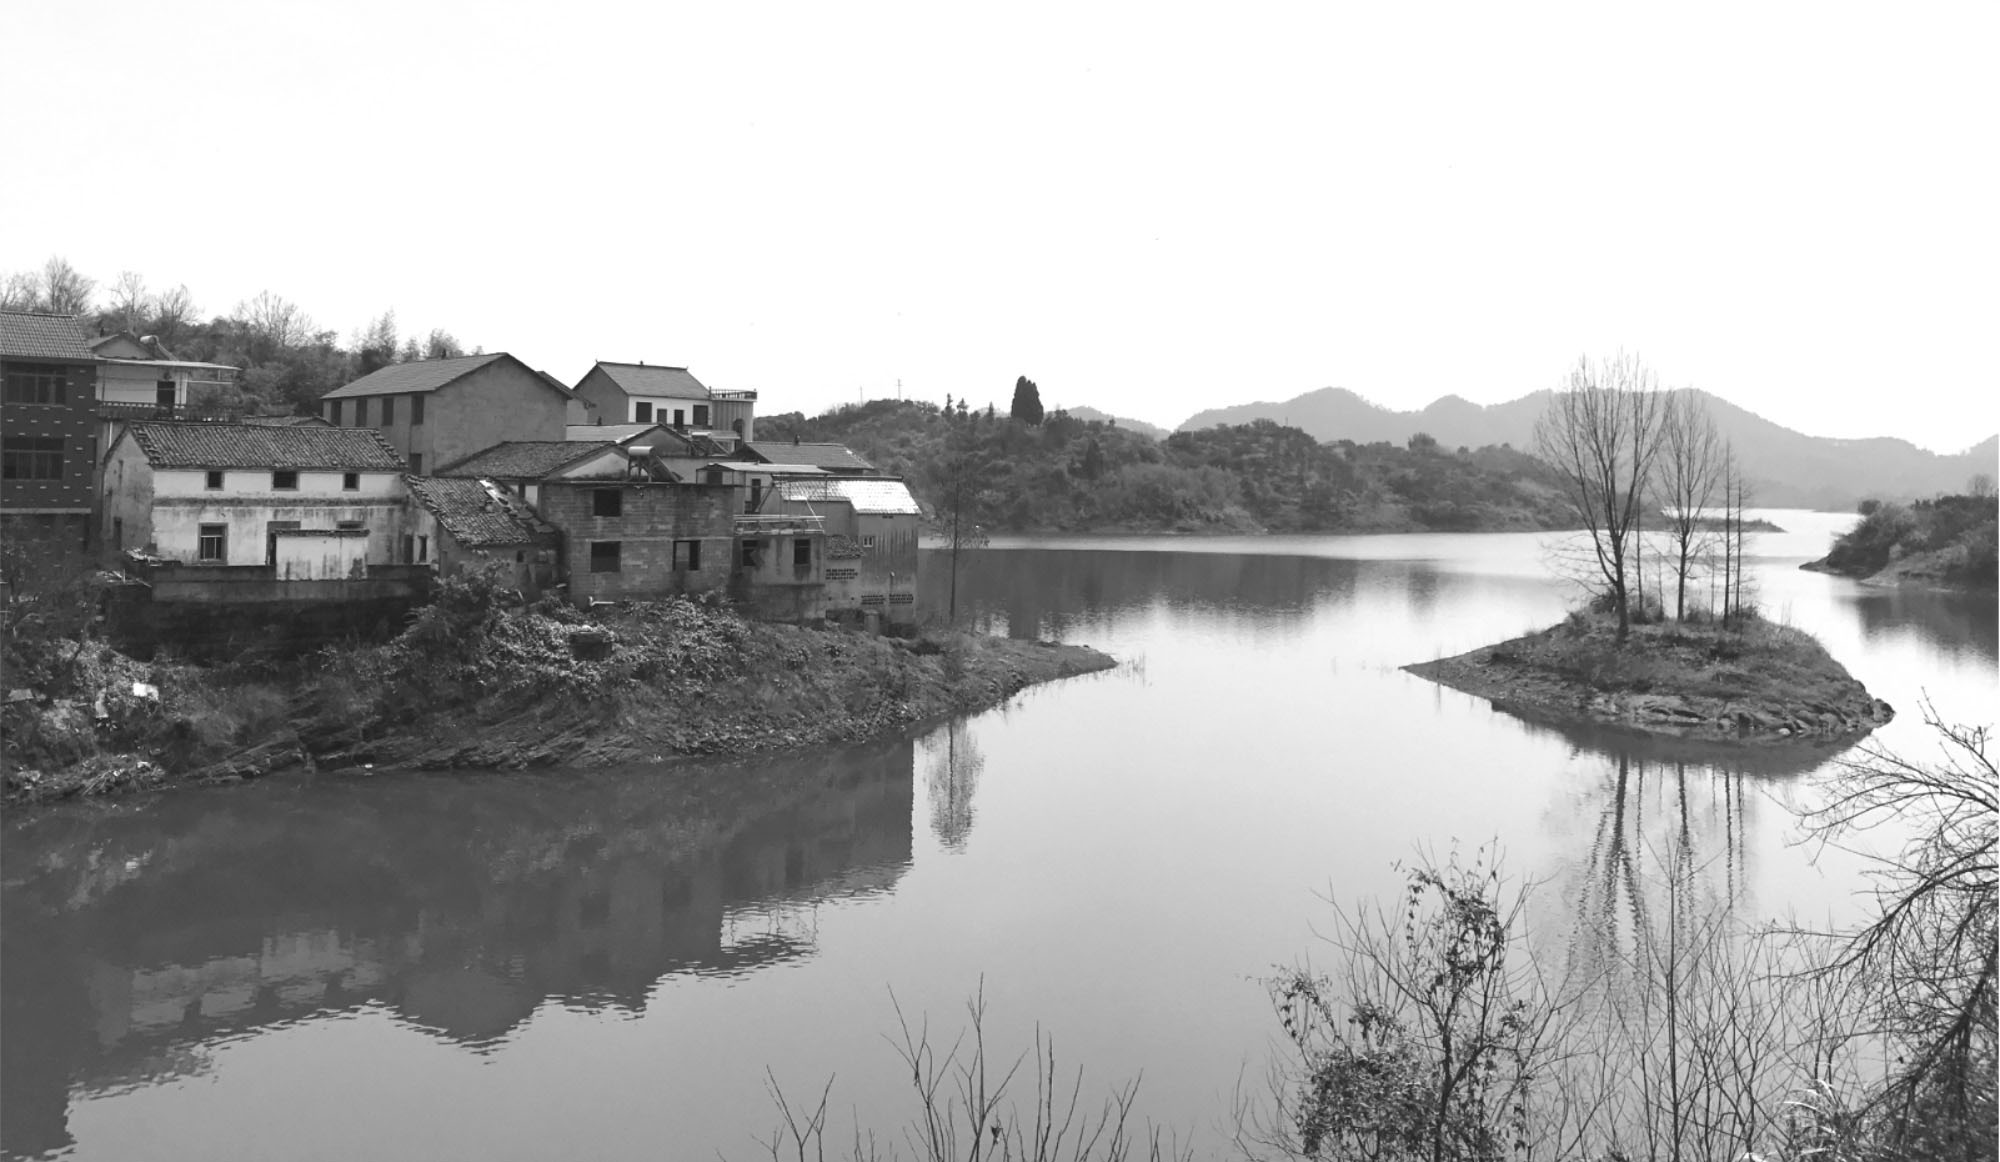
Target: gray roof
28, 336
647, 380
171, 445
524, 459
874, 495
424, 375
478, 513
286, 422
832, 457
616, 433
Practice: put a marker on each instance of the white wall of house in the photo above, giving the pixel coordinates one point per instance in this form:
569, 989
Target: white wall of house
164, 510
125, 383
320, 555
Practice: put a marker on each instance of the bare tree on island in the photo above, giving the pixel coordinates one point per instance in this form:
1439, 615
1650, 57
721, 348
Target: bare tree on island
1690, 470
1600, 433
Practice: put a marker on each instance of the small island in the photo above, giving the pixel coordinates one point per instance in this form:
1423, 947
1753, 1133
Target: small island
1752, 680
1946, 543
473, 684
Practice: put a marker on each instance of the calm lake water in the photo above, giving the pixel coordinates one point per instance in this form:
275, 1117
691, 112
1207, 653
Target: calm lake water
604, 965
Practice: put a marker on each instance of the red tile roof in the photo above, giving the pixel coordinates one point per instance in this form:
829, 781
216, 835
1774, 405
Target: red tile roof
28, 336
171, 445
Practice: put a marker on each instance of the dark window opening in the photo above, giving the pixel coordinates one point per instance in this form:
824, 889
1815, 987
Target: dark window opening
388, 410
604, 556
214, 479
679, 421
350, 482
423, 550
333, 411
285, 479
802, 553
32, 384
31, 458
416, 409
642, 412
752, 552
416, 463
350, 524
163, 394
687, 555
701, 415
213, 543
361, 413
607, 502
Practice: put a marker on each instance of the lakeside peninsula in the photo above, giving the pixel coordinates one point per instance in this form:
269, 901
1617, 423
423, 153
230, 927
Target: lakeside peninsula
470, 685
1754, 681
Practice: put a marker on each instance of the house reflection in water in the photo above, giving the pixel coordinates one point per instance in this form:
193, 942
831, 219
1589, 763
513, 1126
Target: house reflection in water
461, 905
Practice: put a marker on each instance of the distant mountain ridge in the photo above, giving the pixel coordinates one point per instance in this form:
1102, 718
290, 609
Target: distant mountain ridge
1785, 468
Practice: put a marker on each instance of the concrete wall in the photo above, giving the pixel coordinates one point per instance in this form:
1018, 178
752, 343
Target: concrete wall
654, 517
165, 508
871, 561
123, 383
321, 555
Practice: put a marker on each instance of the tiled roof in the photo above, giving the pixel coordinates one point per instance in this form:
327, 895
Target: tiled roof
170, 445
616, 433
644, 379
43, 337
833, 457
286, 422
414, 376
524, 459
870, 494
477, 512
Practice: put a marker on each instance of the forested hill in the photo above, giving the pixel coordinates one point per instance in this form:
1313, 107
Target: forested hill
1069, 474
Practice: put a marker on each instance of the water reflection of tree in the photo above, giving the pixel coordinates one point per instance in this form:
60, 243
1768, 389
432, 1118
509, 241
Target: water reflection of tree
950, 780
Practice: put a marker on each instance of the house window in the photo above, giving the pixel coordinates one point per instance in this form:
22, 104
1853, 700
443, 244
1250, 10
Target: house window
350, 482
409, 549
388, 410
214, 481
30, 383
416, 409
350, 524
423, 550
680, 420
604, 556
333, 411
32, 458
285, 479
163, 394
867, 544
361, 413
802, 553
701, 415
752, 550
642, 412
213, 546
416, 463
687, 555
607, 502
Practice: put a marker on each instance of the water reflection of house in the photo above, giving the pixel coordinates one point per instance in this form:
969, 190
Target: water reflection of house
462, 916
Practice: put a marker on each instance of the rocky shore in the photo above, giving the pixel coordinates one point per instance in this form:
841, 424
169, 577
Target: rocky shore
473, 687
1759, 682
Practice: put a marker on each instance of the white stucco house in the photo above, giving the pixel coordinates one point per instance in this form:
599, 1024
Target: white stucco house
310, 503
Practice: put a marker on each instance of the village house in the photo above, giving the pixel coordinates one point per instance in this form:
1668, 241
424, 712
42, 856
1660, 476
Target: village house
437, 411
637, 393
463, 524
871, 527
522, 466
641, 538
304, 504
832, 458
48, 432
139, 379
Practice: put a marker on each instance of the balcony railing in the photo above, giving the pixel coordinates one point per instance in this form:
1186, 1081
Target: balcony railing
109, 410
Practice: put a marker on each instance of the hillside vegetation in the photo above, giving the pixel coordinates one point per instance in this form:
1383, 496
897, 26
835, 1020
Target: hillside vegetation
1070, 474
1946, 541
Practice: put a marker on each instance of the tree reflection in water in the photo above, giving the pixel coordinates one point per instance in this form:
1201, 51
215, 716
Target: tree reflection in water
951, 776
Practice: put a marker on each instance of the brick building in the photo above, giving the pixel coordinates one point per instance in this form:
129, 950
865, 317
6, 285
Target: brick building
436, 411
48, 431
640, 539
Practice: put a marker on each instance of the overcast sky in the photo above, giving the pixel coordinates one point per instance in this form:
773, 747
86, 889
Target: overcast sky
1145, 209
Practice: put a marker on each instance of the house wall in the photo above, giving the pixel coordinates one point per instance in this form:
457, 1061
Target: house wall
128, 498
865, 576
181, 503
74, 422
654, 516
321, 555
501, 401
124, 383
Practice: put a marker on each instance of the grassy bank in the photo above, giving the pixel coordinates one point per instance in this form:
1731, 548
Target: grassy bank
1948, 542
1755, 680
472, 685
